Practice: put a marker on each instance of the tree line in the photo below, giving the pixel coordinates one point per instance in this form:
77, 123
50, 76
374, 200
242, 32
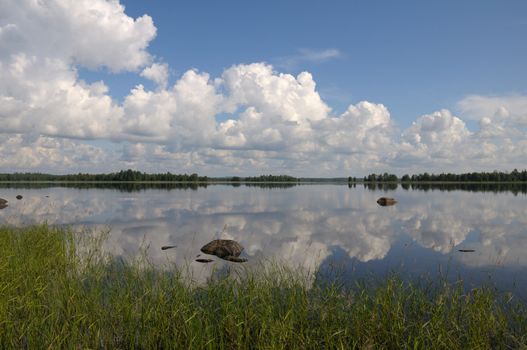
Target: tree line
121, 176
494, 176
265, 178
137, 176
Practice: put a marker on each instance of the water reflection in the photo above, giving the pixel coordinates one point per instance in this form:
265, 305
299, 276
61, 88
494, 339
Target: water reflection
513, 187
137, 186
119, 186
381, 186
301, 226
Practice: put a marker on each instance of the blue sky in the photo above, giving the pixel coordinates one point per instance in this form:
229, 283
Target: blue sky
413, 56
218, 87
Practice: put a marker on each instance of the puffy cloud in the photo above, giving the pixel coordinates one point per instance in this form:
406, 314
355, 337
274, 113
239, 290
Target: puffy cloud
278, 111
279, 122
40, 45
438, 136
182, 116
158, 73
496, 107
441, 142
286, 114
362, 128
44, 95
281, 97
148, 114
499, 116
92, 33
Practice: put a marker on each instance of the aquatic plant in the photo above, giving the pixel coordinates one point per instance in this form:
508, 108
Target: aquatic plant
59, 289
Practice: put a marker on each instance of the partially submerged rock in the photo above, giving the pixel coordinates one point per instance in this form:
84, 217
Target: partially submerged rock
226, 249
204, 261
3, 203
466, 250
19, 197
165, 247
385, 201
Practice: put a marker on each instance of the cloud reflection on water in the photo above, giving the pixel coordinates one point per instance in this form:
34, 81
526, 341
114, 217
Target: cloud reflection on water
300, 226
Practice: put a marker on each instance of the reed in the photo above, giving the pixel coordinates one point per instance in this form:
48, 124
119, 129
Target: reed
58, 289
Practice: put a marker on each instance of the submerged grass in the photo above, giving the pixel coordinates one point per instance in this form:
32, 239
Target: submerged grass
59, 290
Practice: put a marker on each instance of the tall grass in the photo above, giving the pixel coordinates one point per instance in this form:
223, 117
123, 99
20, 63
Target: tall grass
59, 290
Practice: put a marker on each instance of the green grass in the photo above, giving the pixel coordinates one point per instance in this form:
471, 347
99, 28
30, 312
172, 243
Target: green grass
59, 290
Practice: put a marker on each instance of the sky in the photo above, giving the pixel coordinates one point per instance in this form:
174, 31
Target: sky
305, 88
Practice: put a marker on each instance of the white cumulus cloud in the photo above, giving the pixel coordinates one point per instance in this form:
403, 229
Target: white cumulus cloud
498, 116
92, 33
158, 73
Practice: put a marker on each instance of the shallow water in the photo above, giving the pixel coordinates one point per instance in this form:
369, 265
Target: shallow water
313, 227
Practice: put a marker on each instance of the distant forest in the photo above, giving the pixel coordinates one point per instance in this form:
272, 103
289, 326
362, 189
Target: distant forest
123, 175
495, 176
265, 178
137, 176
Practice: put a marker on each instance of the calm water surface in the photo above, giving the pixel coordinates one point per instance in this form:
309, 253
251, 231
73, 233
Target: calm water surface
309, 226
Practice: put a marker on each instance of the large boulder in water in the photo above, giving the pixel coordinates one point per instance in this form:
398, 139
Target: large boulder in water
226, 249
385, 201
3, 203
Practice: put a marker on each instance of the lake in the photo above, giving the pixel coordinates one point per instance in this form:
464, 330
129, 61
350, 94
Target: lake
328, 228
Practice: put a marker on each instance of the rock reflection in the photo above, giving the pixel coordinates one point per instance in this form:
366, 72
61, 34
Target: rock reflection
386, 201
204, 261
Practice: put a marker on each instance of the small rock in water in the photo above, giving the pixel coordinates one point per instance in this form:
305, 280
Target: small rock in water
165, 247
385, 201
19, 197
204, 261
466, 250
